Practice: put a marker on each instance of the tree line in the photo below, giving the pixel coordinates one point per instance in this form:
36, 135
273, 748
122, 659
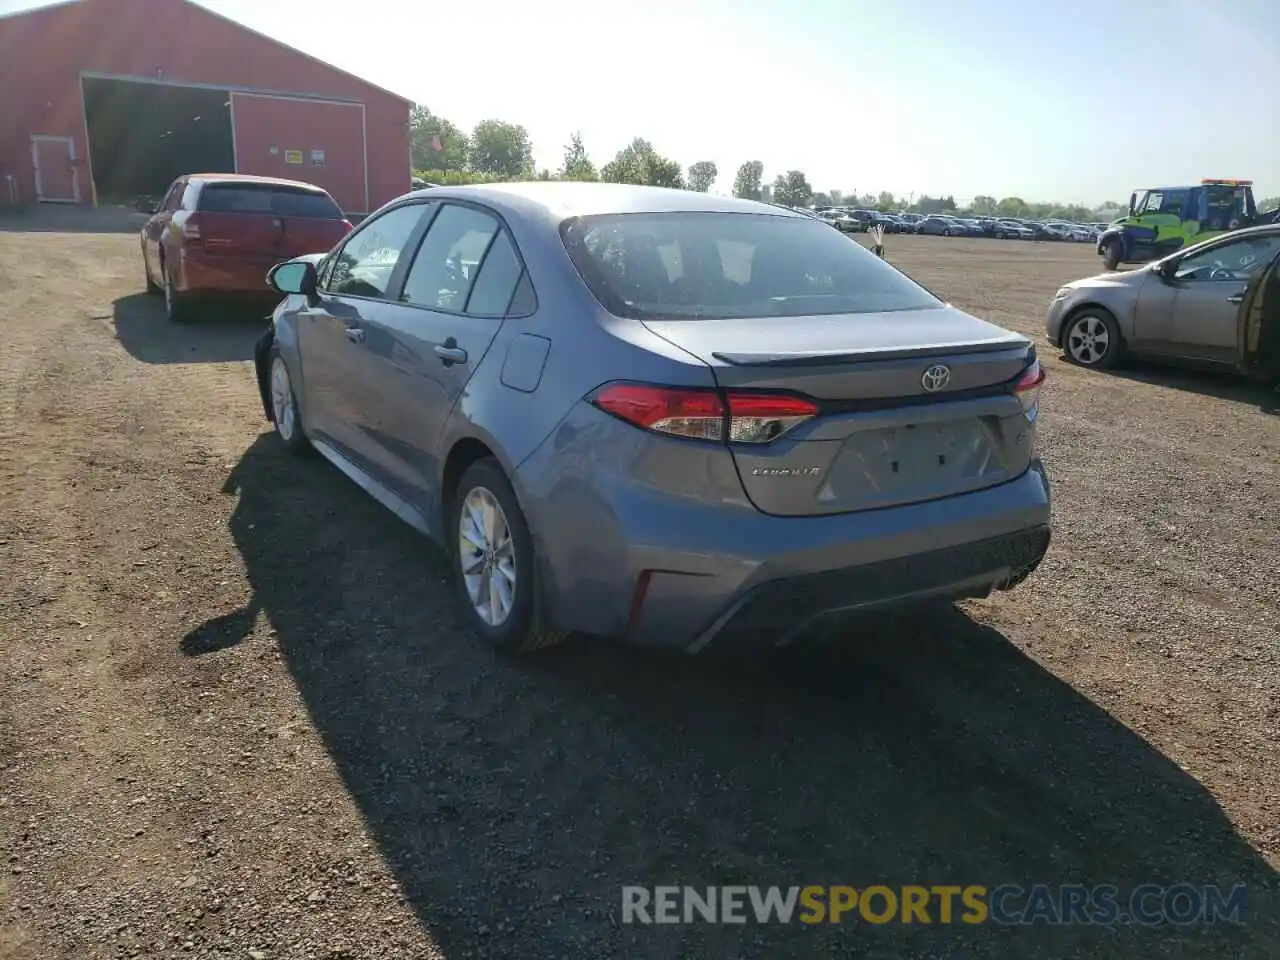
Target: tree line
496, 150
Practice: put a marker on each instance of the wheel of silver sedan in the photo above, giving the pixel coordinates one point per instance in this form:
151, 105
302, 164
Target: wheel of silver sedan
282, 407
1092, 340
487, 553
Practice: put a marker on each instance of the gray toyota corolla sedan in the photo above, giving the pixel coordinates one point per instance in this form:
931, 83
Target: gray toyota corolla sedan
659, 415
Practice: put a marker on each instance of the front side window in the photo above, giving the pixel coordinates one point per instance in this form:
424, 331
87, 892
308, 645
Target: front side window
1239, 260
700, 265
363, 267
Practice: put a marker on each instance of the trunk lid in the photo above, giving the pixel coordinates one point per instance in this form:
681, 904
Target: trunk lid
268, 220
239, 234
881, 438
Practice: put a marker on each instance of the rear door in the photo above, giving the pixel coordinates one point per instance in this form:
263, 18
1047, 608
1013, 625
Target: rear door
456, 291
153, 230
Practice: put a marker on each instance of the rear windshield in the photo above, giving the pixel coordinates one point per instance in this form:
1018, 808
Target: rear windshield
692, 266
268, 198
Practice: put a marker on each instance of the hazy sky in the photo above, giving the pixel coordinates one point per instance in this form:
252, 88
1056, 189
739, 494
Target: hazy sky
1076, 101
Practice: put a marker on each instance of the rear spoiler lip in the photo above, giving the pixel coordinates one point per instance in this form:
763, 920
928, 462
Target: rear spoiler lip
842, 358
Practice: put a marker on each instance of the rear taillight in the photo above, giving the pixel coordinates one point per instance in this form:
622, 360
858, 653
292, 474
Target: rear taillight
1027, 389
190, 230
347, 226
701, 414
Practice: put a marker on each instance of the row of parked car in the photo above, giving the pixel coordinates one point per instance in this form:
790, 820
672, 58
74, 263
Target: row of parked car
851, 220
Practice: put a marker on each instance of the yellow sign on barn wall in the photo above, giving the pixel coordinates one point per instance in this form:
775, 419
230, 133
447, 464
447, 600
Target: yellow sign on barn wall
293, 156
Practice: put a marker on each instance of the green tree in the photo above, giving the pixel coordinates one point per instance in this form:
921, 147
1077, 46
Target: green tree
1013, 207
821, 199
1265, 206
501, 148
638, 162
886, 203
837, 198
702, 175
983, 206
792, 189
434, 142
577, 165
457, 178
747, 181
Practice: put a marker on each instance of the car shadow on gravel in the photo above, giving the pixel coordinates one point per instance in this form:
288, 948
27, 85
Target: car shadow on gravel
1205, 382
515, 798
218, 332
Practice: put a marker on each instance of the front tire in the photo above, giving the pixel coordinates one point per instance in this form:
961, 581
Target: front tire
494, 566
1091, 338
284, 406
1112, 253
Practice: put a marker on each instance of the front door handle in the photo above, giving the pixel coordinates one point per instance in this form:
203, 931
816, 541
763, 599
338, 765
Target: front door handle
355, 334
1236, 298
449, 352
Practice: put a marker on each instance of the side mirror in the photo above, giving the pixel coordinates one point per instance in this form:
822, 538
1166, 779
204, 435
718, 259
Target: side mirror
294, 277
147, 206
1133, 202
1166, 269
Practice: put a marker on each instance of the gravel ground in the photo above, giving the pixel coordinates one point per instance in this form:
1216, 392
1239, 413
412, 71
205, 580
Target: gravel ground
239, 718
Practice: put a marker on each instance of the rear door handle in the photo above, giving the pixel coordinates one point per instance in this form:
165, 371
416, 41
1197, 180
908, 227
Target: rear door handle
449, 352
355, 334
1236, 298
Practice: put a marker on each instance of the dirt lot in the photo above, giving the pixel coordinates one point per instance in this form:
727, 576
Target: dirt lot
238, 717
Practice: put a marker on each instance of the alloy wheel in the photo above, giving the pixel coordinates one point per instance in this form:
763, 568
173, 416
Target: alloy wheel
487, 555
1088, 340
282, 408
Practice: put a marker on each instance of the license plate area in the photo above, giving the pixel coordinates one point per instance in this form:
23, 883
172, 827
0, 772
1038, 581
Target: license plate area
915, 461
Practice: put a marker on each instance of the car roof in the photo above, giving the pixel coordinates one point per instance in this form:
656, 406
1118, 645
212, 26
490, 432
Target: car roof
557, 200
250, 178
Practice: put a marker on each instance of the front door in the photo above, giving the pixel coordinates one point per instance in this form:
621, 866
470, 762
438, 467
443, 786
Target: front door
57, 177
336, 335
1210, 289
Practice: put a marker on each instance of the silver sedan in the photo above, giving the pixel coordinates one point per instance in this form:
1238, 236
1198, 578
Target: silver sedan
1204, 303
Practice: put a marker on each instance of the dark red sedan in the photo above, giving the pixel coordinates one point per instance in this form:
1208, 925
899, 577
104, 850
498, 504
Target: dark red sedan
217, 234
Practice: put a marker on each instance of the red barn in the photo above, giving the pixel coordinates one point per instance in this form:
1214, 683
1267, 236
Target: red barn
105, 100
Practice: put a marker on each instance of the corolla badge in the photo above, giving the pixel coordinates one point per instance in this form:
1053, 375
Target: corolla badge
786, 471
935, 378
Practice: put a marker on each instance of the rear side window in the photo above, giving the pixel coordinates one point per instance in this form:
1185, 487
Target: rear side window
270, 199
691, 266
496, 281
448, 260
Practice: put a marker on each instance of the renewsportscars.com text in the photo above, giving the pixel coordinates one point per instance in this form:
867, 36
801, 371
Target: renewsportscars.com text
1148, 904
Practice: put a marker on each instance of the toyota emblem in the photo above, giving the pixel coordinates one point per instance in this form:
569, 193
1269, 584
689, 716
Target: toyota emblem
935, 378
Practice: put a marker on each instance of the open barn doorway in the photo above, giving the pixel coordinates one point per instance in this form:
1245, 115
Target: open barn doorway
143, 135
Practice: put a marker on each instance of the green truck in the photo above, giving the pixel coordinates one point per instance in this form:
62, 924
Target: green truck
1164, 219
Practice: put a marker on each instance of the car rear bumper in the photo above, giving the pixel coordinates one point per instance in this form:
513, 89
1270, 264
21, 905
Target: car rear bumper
209, 273
624, 560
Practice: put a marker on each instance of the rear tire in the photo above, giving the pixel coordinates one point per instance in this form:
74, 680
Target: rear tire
153, 288
176, 306
495, 570
1091, 338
